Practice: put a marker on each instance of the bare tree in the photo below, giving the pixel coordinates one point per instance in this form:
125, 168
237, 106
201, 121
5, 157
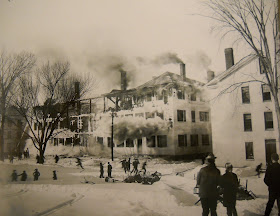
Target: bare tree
12, 67
45, 99
256, 23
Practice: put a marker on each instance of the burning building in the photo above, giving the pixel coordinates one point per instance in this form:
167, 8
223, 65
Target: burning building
164, 116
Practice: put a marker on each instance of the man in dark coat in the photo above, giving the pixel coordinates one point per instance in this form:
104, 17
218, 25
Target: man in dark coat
101, 171
36, 174
258, 170
208, 180
272, 180
135, 166
14, 175
56, 158
109, 170
23, 176
229, 182
128, 165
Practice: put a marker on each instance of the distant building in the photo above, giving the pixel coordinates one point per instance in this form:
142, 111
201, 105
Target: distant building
14, 138
244, 123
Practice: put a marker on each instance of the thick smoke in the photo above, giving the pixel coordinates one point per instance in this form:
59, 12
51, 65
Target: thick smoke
167, 58
200, 60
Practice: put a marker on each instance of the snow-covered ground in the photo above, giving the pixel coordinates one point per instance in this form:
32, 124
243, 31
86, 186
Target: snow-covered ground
172, 195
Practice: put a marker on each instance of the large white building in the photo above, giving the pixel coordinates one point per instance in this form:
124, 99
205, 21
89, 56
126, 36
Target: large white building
244, 124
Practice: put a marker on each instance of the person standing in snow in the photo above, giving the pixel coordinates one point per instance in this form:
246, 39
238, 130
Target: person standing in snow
109, 170
23, 176
208, 180
56, 158
128, 165
124, 164
135, 166
101, 170
272, 180
36, 175
144, 167
229, 182
258, 170
54, 175
14, 175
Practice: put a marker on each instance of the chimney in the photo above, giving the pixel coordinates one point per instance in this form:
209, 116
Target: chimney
123, 80
183, 71
210, 75
229, 57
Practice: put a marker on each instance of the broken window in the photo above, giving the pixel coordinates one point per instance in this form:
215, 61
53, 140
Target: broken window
204, 116
162, 141
151, 141
193, 96
181, 115
100, 140
247, 122
266, 93
249, 150
245, 94
205, 139
182, 140
149, 115
181, 94
194, 140
129, 143
268, 119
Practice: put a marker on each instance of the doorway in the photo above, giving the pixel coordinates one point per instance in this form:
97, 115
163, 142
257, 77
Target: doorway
139, 146
270, 148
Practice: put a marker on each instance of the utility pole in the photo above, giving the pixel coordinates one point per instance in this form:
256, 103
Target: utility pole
112, 137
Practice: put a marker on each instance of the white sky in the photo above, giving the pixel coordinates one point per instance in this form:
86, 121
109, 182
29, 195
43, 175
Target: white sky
92, 34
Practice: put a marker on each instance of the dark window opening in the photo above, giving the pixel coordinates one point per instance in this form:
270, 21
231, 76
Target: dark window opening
249, 150
268, 118
182, 140
245, 94
162, 141
181, 94
151, 141
205, 139
181, 115
266, 93
129, 143
247, 122
100, 140
194, 140
204, 116
149, 97
109, 142
193, 116
193, 97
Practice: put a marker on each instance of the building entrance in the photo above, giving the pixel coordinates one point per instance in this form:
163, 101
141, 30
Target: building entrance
270, 148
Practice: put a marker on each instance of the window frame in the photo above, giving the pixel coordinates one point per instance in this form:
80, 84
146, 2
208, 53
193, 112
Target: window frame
203, 139
245, 100
247, 154
184, 140
183, 116
246, 122
193, 116
160, 139
266, 122
153, 139
196, 139
265, 94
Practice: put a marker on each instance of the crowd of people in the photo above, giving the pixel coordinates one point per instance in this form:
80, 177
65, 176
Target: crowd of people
23, 175
211, 184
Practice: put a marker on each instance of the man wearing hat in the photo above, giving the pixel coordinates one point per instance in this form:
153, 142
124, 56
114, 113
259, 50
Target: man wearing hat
272, 180
208, 180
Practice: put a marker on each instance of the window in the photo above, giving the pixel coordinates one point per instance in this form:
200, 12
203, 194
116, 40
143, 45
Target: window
68, 141
245, 94
162, 141
100, 140
129, 143
160, 114
139, 115
205, 139
181, 94
181, 115
109, 140
149, 97
55, 141
193, 97
247, 122
120, 145
128, 115
249, 150
266, 93
182, 140
194, 140
204, 116
268, 120
149, 115
193, 116
151, 141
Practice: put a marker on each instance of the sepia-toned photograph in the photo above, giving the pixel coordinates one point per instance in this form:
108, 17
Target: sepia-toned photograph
139, 108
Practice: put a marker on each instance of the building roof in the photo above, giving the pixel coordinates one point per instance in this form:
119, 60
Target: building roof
235, 68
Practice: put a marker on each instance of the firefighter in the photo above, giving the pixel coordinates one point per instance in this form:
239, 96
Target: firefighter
36, 175
79, 162
144, 167
135, 166
54, 175
56, 158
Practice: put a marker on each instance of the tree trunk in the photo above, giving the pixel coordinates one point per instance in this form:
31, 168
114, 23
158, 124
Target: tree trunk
2, 132
41, 156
